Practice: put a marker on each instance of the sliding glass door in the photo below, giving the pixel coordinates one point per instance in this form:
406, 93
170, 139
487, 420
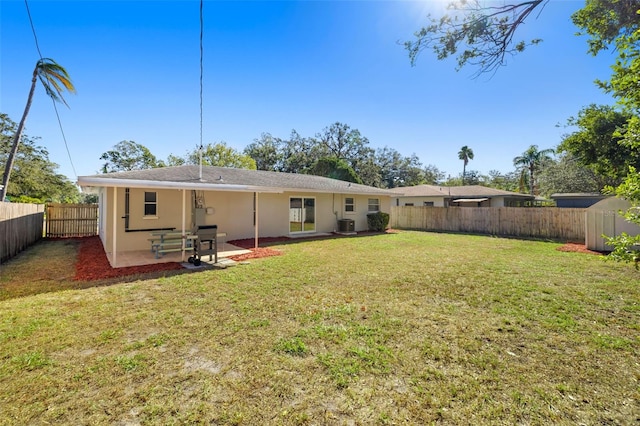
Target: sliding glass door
302, 214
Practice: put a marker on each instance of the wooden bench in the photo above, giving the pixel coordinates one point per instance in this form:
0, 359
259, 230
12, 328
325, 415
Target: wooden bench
171, 242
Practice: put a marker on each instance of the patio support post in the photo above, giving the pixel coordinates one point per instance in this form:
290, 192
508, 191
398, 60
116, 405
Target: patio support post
184, 219
255, 212
115, 226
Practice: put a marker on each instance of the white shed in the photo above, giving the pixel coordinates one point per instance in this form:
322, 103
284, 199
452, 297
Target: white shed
603, 218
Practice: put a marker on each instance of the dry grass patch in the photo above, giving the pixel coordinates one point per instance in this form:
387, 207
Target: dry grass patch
409, 328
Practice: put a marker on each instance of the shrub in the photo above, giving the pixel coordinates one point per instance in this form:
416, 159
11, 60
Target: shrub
378, 221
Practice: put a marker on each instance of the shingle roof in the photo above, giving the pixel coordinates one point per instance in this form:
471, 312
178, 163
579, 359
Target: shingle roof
467, 191
224, 178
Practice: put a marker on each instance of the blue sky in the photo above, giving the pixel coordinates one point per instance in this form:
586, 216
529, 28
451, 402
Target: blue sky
277, 66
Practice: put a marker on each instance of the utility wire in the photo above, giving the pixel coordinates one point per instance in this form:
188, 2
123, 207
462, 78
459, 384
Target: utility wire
201, 66
201, 79
55, 107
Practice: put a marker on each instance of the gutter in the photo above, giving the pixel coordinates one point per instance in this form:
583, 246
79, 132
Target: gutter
89, 181
135, 183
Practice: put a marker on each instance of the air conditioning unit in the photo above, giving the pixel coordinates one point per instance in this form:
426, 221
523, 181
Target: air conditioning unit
346, 225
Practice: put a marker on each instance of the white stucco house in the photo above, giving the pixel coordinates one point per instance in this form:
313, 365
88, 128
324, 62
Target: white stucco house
460, 196
242, 203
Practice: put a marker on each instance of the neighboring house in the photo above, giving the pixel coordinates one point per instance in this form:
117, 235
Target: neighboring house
580, 200
242, 203
462, 196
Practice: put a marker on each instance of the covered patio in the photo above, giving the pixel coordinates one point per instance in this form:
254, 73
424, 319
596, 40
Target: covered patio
147, 257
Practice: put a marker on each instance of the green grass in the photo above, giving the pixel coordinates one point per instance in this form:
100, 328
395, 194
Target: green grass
407, 328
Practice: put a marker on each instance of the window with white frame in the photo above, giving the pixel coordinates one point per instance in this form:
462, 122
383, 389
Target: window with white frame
150, 203
349, 204
374, 205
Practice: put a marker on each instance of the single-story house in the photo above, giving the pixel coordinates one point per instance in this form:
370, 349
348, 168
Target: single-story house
242, 203
579, 200
462, 196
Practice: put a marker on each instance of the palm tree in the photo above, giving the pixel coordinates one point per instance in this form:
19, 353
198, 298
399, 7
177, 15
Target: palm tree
55, 79
531, 160
465, 154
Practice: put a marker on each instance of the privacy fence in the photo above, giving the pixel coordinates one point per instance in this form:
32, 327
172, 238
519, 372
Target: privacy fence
72, 220
20, 226
534, 222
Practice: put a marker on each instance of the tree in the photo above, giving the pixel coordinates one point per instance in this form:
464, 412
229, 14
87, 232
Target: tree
568, 175
299, 154
343, 142
624, 85
530, 161
397, 170
506, 182
221, 155
484, 32
266, 152
55, 80
334, 168
34, 177
465, 154
129, 155
432, 175
597, 142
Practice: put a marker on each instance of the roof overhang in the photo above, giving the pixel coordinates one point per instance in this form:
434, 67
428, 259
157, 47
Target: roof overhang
97, 182
469, 200
88, 181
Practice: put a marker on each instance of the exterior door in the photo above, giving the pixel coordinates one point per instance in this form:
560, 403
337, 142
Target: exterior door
302, 214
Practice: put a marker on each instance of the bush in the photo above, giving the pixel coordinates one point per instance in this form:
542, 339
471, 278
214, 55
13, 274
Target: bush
378, 221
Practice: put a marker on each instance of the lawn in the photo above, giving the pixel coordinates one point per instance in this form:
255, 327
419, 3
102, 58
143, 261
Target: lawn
406, 328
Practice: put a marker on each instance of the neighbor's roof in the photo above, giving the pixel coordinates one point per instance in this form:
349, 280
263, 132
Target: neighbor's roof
467, 191
225, 179
578, 195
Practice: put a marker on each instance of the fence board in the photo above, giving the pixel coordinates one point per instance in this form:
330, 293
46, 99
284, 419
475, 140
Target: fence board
20, 226
72, 220
536, 222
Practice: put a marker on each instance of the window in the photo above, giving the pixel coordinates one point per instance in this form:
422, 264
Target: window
428, 203
150, 204
374, 204
349, 205
408, 204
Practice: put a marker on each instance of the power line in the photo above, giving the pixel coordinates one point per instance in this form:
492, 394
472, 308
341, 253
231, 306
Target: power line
201, 78
201, 65
55, 107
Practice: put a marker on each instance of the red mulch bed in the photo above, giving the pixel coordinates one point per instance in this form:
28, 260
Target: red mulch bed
256, 253
92, 263
577, 248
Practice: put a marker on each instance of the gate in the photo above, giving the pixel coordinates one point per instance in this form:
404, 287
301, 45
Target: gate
71, 220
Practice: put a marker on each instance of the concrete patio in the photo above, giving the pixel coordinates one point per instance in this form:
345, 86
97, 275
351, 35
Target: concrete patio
146, 257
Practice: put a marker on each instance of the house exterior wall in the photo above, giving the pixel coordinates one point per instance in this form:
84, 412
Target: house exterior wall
418, 201
169, 215
232, 212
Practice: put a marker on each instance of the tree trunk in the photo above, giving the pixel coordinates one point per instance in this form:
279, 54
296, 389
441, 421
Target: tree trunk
464, 171
532, 183
17, 138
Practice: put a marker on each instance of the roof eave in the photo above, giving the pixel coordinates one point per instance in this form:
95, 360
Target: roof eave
88, 181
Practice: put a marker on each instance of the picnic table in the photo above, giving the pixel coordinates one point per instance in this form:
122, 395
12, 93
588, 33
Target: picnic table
170, 241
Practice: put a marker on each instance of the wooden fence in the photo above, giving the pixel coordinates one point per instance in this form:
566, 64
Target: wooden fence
534, 222
72, 220
20, 226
